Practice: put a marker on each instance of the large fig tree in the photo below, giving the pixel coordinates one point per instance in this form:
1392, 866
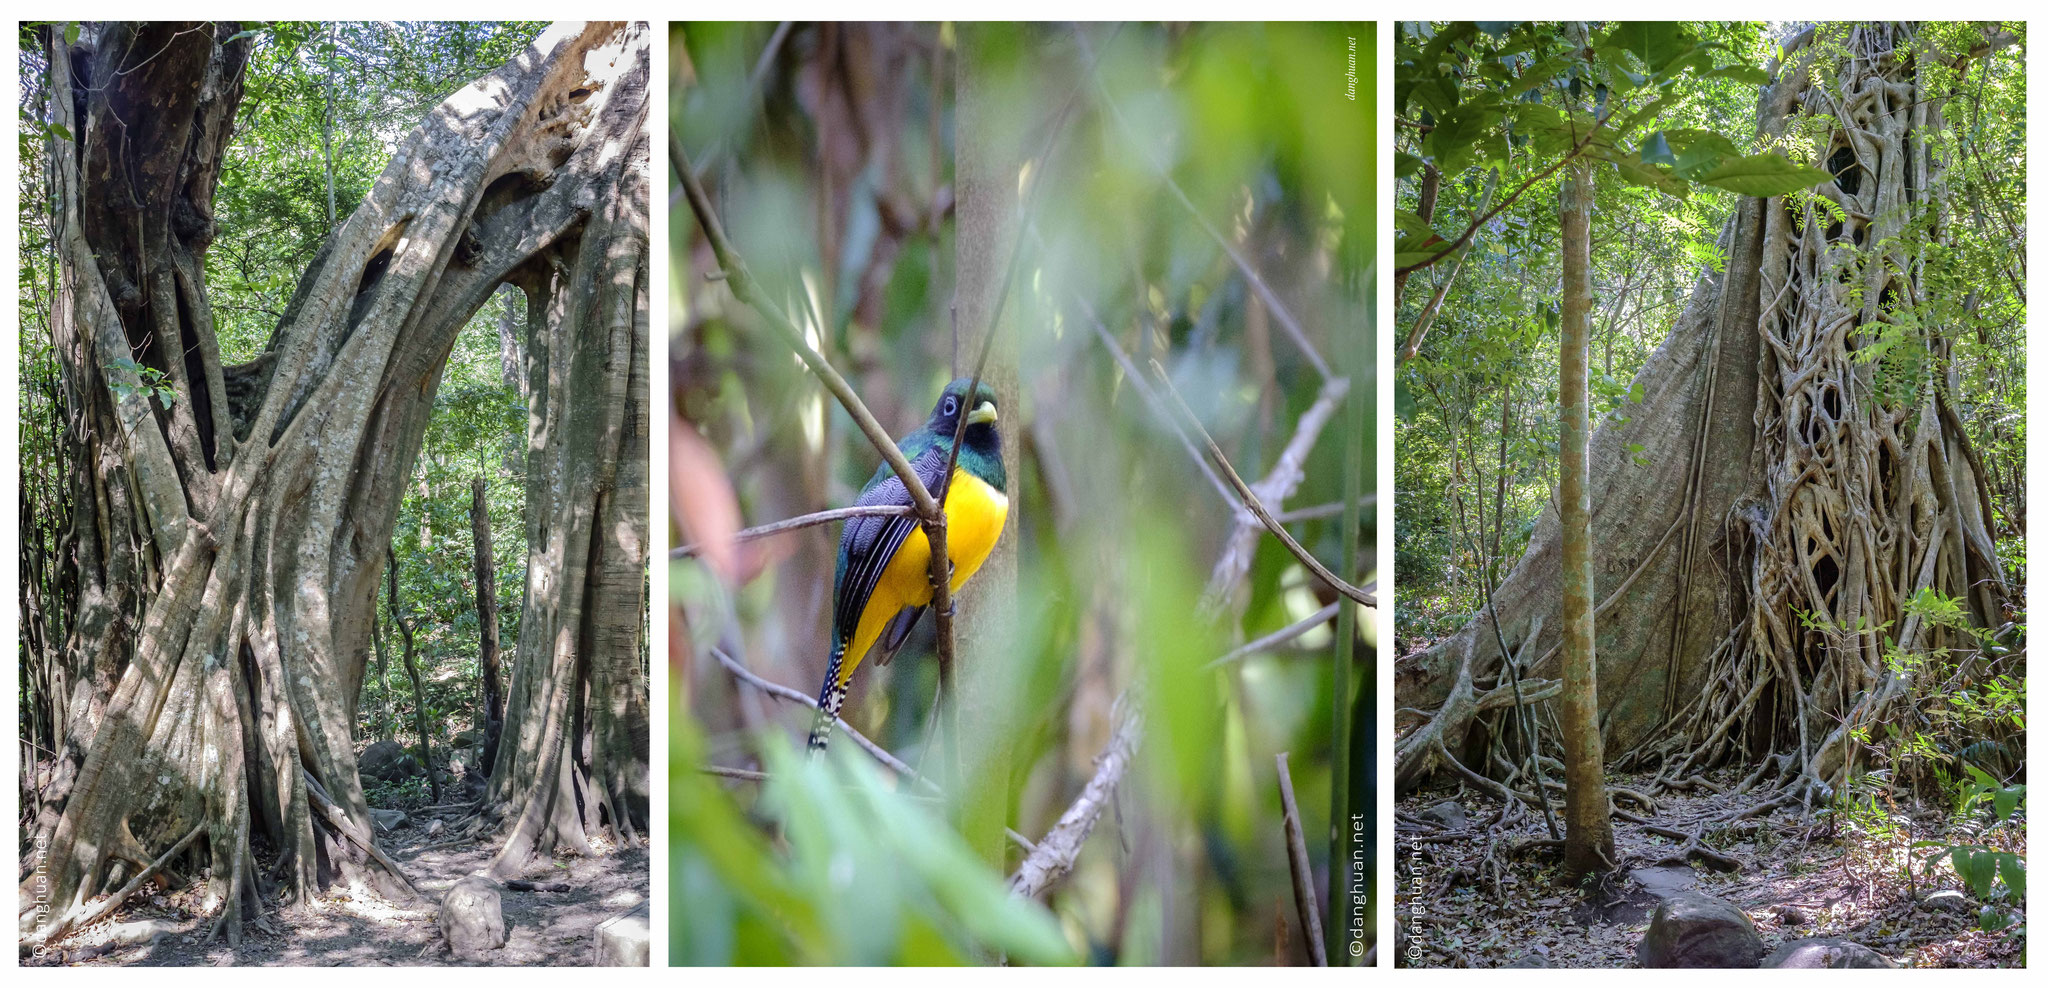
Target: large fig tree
1795, 501
229, 522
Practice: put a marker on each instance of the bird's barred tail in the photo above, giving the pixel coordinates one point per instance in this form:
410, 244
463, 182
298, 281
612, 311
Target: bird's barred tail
830, 696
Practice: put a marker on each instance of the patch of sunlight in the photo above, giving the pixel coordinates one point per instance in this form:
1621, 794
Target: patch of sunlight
1300, 603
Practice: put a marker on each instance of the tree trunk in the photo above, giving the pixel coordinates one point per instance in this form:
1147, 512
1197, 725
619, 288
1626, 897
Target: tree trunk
384, 730
1785, 476
987, 151
1588, 835
576, 708
486, 620
233, 519
412, 672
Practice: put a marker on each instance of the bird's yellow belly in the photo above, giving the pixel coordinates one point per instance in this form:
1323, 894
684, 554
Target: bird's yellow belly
975, 513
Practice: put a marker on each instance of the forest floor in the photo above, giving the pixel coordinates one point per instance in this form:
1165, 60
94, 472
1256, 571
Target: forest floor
359, 928
1487, 904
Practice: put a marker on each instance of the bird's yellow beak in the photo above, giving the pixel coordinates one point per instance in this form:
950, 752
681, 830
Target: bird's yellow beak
984, 412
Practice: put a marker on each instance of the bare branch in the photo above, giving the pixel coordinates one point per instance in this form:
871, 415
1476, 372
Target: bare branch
1054, 855
1298, 867
802, 521
1284, 635
1286, 474
745, 675
55, 931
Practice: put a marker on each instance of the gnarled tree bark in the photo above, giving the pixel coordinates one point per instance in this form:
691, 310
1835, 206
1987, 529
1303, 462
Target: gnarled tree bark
1782, 479
232, 520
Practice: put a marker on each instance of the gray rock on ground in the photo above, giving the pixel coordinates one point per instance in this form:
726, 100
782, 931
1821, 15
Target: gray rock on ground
388, 760
1448, 814
1950, 901
1826, 952
624, 940
387, 820
1695, 930
473, 918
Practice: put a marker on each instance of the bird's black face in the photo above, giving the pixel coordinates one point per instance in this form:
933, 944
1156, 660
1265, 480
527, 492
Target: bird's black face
980, 413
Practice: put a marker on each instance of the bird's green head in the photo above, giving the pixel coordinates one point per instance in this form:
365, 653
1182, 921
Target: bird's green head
981, 446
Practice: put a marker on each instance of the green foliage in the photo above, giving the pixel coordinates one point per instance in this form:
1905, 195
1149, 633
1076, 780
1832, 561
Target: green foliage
149, 382
863, 874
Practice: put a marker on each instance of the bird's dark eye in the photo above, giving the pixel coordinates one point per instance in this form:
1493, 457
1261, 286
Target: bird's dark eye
952, 407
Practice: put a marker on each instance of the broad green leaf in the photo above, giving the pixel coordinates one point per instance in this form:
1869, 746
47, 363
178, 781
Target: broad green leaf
1748, 74
1634, 171
1980, 872
1404, 401
60, 132
1657, 43
1406, 164
1412, 226
1763, 175
2004, 801
71, 33
1657, 150
1698, 151
1453, 142
2013, 869
1495, 29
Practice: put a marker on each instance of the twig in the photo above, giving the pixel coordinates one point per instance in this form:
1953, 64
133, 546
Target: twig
1144, 389
1436, 301
1481, 219
1251, 274
743, 774
1287, 634
745, 675
1297, 860
1331, 509
748, 291
1332, 392
802, 521
1055, 854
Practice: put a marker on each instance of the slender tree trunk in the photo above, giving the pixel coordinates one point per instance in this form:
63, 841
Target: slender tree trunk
412, 672
383, 730
1588, 834
487, 620
239, 515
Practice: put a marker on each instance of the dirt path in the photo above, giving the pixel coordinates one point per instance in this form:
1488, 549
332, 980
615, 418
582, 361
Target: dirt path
1476, 901
362, 929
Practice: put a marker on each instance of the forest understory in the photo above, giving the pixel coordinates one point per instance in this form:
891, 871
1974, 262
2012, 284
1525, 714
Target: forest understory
1491, 894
